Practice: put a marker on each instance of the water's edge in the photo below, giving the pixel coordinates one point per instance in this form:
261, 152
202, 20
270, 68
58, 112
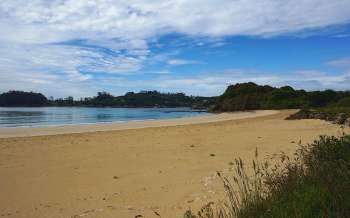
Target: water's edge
57, 116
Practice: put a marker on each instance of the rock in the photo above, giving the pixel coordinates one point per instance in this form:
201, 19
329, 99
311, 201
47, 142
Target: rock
307, 114
302, 114
319, 115
340, 119
347, 122
328, 118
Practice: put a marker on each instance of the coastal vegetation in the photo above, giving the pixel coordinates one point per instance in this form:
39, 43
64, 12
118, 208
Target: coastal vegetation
19, 98
315, 183
250, 96
147, 99
238, 97
104, 99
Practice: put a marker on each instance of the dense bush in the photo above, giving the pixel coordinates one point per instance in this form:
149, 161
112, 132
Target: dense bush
250, 96
19, 98
104, 99
149, 99
344, 102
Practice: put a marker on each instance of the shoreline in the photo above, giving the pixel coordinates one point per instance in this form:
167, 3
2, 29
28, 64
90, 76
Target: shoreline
28, 131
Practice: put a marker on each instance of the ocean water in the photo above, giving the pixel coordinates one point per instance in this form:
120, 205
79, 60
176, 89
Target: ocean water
47, 116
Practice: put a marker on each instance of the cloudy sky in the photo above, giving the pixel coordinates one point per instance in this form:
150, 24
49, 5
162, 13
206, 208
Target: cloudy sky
79, 47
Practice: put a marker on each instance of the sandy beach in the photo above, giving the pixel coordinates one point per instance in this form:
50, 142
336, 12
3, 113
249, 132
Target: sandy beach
136, 168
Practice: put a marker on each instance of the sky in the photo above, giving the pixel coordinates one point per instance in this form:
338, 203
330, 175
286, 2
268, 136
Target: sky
79, 47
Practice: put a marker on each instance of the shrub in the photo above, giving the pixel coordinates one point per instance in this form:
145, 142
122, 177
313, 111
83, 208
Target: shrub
315, 183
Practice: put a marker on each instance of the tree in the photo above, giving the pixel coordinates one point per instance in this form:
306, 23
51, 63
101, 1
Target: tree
20, 98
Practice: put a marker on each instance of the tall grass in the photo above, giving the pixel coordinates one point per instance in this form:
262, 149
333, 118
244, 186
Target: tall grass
313, 183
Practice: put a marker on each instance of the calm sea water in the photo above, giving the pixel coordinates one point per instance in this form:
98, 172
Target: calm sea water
44, 116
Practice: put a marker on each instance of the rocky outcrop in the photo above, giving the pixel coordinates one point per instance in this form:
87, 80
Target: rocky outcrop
308, 114
340, 119
347, 122
302, 114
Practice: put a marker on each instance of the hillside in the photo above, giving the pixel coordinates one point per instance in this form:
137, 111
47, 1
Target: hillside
250, 96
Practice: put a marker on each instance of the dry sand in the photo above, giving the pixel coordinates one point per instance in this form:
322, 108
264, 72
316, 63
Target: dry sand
123, 173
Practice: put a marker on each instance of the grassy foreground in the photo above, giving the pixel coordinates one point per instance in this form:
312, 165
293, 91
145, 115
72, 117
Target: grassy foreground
315, 183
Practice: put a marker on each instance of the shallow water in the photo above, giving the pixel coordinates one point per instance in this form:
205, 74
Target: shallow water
46, 116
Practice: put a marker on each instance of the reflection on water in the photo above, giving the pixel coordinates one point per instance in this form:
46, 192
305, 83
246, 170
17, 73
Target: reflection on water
101, 117
43, 116
15, 117
20, 113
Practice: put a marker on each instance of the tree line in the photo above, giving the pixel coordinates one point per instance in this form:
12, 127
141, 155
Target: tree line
105, 99
241, 96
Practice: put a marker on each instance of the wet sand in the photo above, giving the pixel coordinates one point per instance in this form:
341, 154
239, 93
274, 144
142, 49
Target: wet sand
127, 171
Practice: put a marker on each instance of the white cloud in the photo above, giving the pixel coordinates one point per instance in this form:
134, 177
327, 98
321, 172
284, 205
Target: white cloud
342, 62
67, 58
177, 62
215, 83
142, 18
115, 35
203, 84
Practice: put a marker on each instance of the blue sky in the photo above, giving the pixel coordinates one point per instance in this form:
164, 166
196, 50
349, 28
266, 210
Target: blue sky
80, 47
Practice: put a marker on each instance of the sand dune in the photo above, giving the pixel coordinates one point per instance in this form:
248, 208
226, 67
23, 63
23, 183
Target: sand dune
136, 170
